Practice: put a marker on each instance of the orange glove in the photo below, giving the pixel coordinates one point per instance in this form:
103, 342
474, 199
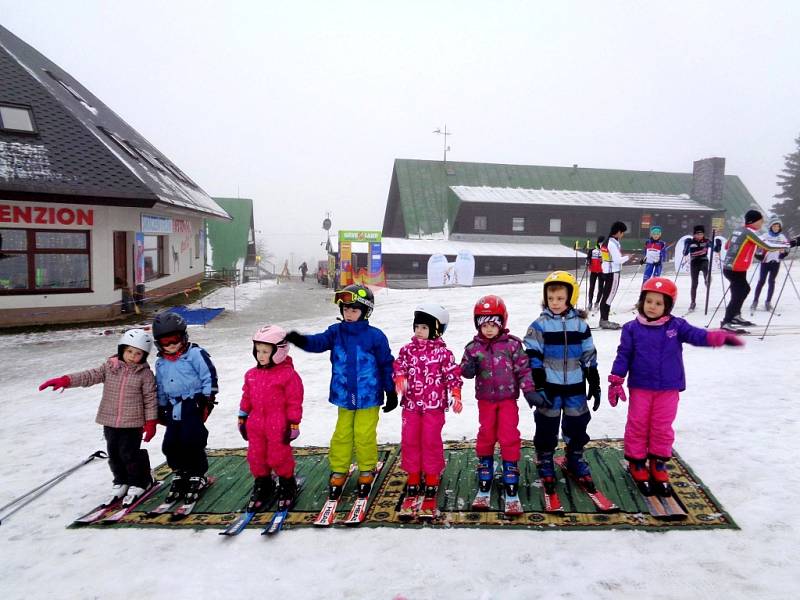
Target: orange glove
149, 430
457, 406
400, 385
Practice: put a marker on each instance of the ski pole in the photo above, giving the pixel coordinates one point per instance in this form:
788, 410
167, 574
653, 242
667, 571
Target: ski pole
775, 306
710, 268
791, 279
32, 494
725, 293
680, 267
627, 289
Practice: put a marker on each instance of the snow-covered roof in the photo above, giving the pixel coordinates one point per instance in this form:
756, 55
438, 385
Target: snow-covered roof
501, 195
452, 247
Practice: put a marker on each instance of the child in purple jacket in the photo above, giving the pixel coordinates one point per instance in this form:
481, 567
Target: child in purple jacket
650, 352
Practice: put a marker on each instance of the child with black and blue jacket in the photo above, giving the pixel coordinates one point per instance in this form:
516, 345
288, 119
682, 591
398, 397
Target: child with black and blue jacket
361, 375
562, 358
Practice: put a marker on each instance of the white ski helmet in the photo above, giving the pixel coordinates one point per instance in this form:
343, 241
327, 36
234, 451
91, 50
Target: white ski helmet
136, 338
276, 336
435, 316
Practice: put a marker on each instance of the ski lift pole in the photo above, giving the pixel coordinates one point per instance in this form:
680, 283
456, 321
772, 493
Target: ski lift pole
576, 259
711, 268
31, 495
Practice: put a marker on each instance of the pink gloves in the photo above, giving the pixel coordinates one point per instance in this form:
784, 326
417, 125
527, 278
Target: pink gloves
615, 391
57, 383
720, 337
149, 430
457, 406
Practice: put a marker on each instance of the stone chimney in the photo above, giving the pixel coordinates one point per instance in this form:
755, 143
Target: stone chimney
708, 181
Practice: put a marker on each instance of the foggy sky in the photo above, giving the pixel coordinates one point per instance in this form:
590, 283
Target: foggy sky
304, 106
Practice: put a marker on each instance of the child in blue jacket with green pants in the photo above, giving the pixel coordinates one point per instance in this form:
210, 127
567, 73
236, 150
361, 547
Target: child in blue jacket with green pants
361, 373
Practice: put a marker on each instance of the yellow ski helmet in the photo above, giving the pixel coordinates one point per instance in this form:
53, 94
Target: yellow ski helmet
563, 278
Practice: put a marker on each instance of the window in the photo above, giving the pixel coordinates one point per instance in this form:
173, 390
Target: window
72, 91
555, 225
591, 226
480, 223
16, 118
518, 224
415, 264
153, 257
33, 261
504, 267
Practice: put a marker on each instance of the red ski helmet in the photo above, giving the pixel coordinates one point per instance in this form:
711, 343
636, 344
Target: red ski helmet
661, 285
490, 306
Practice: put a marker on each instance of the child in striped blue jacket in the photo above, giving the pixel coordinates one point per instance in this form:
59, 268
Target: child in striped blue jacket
562, 358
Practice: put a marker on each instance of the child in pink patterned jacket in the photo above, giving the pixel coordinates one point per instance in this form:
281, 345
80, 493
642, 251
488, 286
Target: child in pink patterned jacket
497, 361
269, 418
425, 372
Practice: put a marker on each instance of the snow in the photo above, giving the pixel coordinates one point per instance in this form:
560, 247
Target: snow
737, 428
21, 161
502, 195
453, 247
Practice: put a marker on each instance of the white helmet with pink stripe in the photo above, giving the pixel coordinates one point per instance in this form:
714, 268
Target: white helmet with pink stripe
275, 336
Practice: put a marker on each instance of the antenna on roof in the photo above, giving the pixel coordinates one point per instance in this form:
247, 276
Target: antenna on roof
445, 133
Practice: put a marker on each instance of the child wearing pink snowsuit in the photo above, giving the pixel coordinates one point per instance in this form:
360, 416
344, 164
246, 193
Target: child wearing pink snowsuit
270, 412
500, 366
425, 372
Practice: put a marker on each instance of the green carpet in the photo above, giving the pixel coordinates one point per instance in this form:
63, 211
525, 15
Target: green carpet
231, 490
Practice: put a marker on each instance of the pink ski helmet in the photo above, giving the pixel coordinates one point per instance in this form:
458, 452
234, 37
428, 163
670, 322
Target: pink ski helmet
276, 336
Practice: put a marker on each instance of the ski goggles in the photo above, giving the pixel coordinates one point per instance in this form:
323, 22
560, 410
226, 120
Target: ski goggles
169, 340
350, 297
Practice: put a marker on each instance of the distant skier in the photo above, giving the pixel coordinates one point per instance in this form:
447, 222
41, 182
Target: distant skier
562, 359
425, 374
770, 263
594, 263
497, 361
269, 417
127, 412
697, 249
741, 248
187, 387
650, 354
655, 254
612, 265
361, 377
303, 271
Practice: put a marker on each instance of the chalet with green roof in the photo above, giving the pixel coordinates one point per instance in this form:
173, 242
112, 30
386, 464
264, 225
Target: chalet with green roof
520, 218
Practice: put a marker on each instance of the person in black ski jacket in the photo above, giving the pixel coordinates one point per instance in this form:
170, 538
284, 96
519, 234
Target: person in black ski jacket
695, 251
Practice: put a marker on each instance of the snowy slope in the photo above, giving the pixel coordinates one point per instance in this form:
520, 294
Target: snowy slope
736, 427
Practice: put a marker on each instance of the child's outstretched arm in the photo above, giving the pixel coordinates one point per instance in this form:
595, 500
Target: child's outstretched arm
708, 337
86, 378
318, 342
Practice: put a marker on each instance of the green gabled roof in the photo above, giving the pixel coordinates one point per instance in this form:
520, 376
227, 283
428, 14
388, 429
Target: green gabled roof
229, 239
422, 187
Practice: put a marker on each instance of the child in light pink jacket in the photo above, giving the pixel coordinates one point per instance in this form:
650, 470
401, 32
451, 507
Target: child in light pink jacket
425, 372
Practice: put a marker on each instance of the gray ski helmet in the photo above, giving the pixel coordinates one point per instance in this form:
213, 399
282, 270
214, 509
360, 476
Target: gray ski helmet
135, 338
167, 323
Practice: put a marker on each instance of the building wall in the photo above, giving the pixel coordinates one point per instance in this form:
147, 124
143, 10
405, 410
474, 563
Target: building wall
182, 262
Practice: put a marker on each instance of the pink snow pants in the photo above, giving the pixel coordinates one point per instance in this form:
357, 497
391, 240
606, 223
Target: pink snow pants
422, 449
265, 455
648, 430
498, 423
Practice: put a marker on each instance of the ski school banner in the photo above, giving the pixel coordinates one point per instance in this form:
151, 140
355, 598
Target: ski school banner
442, 273
682, 262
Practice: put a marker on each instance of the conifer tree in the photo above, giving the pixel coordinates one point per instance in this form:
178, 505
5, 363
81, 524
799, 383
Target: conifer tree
788, 209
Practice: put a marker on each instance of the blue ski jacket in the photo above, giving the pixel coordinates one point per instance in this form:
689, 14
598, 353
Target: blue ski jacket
361, 363
191, 374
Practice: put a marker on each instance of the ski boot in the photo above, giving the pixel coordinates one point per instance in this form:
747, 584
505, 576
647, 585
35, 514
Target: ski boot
659, 477
511, 477
768, 306
263, 490
287, 491
579, 469
693, 305
640, 475
738, 320
336, 485
754, 306
136, 492
197, 483
609, 325
118, 490
485, 473
365, 481
547, 471
178, 487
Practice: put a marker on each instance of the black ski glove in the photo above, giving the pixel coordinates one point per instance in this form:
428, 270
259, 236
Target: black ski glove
537, 399
391, 401
163, 414
593, 379
298, 339
469, 367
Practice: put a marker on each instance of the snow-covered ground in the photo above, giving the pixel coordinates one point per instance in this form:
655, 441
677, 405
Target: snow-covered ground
737, 427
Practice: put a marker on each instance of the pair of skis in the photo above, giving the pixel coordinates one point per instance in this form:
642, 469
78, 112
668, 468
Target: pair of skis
179, 512
511, 504
276, 522
114, 512
358, 512
665, 506
418, 507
